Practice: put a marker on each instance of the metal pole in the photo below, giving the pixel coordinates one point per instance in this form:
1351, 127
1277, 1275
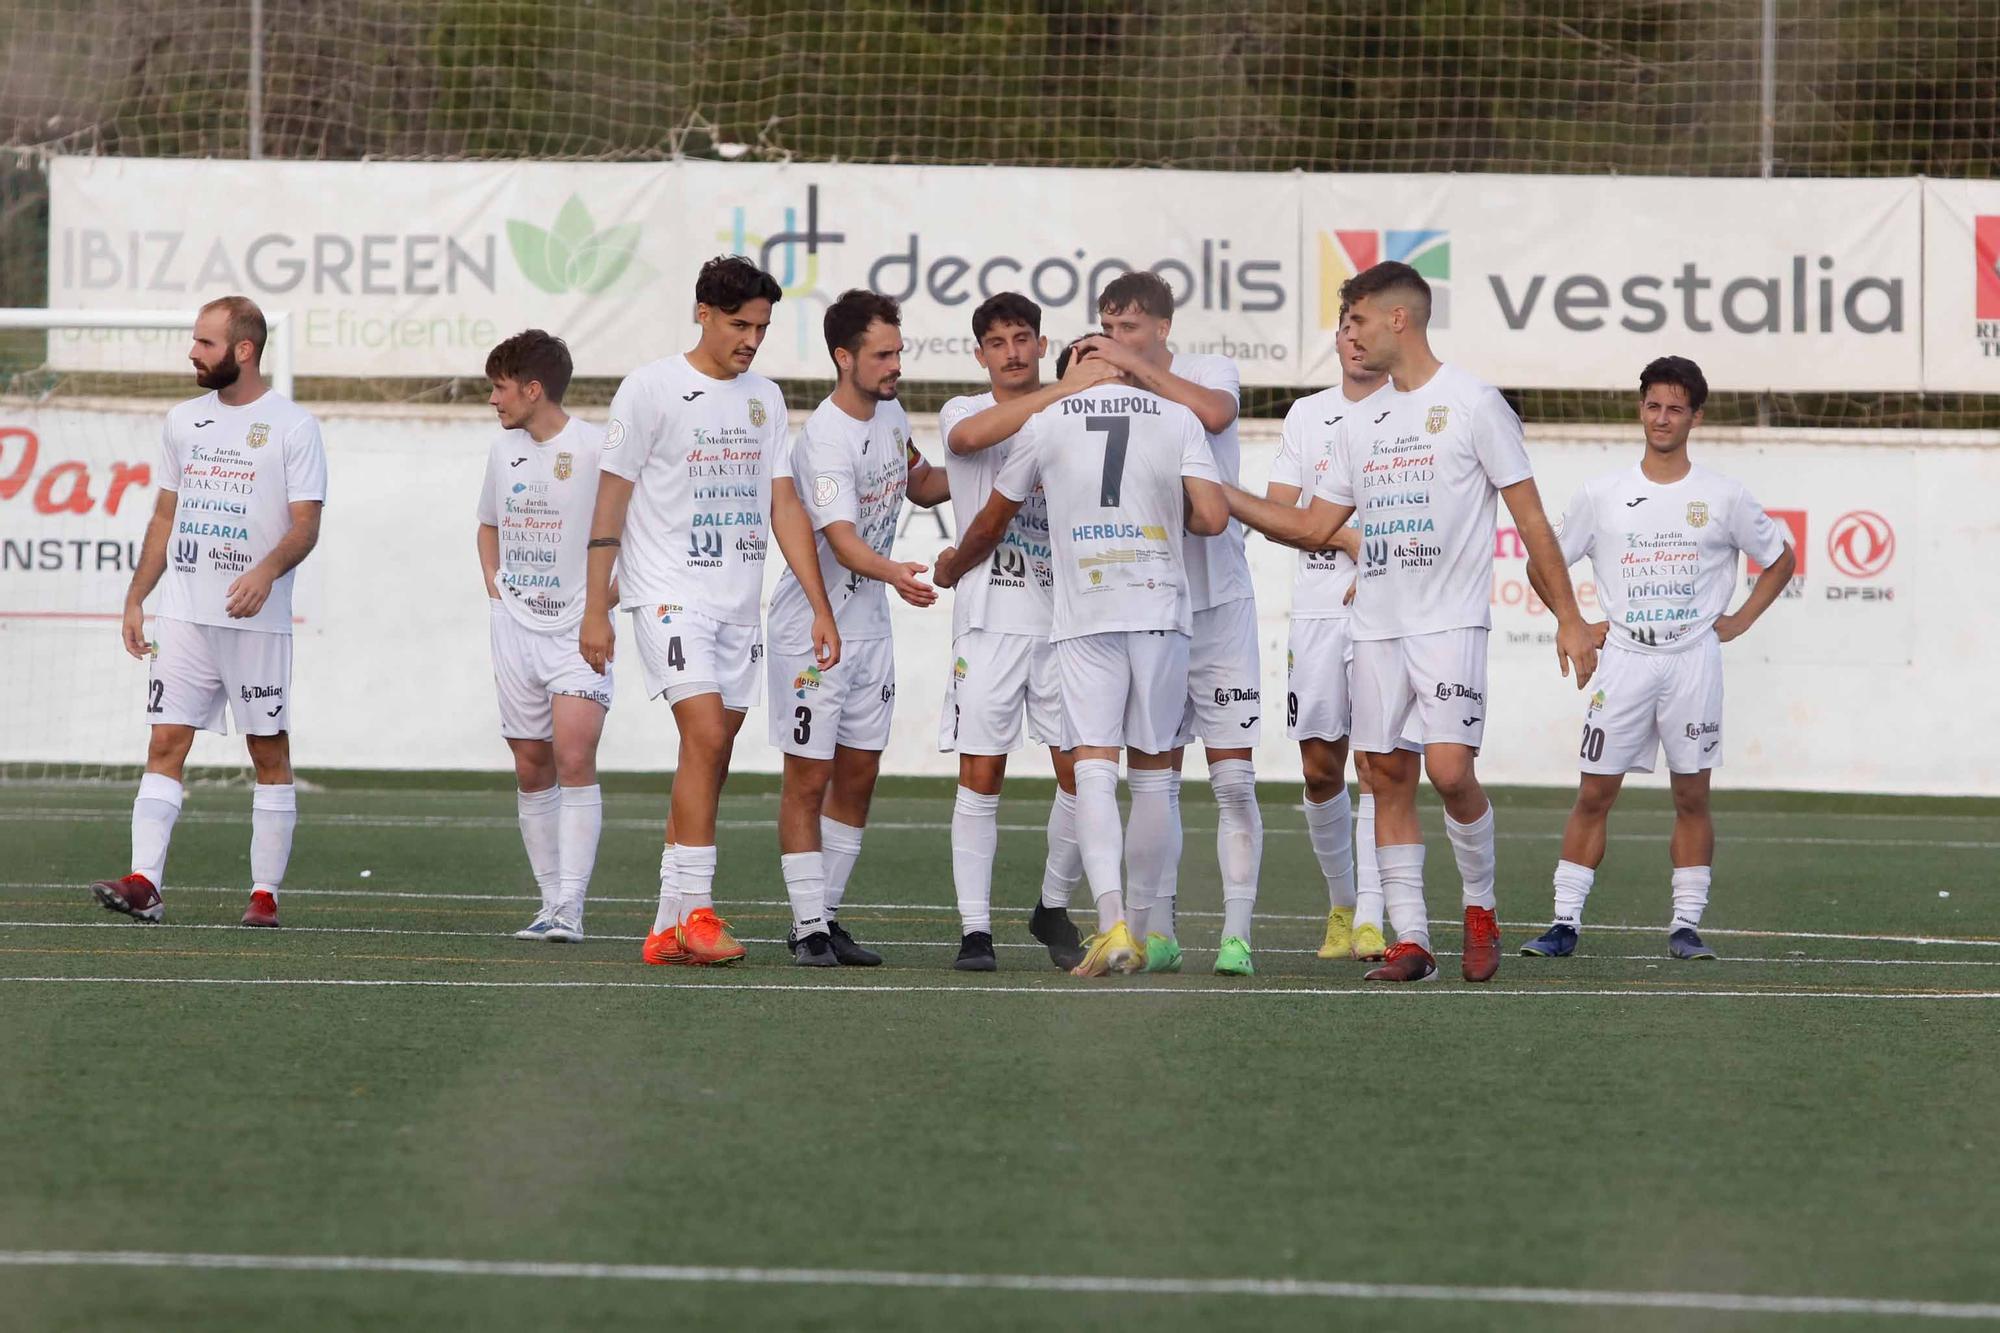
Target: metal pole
1768, 136
257, 79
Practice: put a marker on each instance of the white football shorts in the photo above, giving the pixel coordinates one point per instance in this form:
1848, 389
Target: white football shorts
997, 679
1317, 660
1225, 678
1126, 688
1641, 702
530, 669
852, 704
685, 653
197, 669
1426, 687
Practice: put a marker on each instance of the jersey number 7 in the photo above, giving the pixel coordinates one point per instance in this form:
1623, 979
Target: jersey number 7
1117, 431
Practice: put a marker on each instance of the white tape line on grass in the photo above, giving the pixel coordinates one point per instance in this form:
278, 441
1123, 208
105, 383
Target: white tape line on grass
1066, 990
1070, 1285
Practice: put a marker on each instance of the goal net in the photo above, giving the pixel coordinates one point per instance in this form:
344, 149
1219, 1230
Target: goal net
82, 394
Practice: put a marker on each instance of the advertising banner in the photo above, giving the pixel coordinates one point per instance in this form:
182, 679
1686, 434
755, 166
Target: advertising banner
1962, 286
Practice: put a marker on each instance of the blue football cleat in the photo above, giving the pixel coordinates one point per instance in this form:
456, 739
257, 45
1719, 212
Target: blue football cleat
1687, 946
1558, 941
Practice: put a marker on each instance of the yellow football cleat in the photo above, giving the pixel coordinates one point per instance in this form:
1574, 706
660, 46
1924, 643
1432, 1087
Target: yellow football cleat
1339, 942
1112, 951
1367, 945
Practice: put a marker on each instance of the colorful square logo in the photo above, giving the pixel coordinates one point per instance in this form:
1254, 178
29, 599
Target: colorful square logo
1342, 254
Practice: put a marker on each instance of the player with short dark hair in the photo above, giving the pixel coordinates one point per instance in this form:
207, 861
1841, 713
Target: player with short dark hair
1423, 470
242, 483
853, 463
691, 491
1664, 538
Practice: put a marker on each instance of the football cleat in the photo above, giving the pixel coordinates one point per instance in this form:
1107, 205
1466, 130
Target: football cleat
1162, 954
975, 953
565, 929
814, 950
847, 951
263, 909
538, 929
1686, 945
1368, 945
1110, 951
1053, 928
133, 895
705, 939
1480, 957
1339, 941
1404, 961
1233, 958
663, 948
1558, 941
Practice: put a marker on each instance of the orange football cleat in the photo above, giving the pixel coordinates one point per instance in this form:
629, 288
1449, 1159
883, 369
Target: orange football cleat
663, 948
706, 939
1480, 958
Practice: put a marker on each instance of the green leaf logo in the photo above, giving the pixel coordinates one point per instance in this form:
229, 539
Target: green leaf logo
572, 255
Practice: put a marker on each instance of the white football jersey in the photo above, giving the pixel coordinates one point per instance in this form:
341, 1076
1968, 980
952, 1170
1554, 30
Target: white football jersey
1305, 453
1218, 566
1013, 592
845, 471
1665, 555
236, 471
1423, 470
541, 496
698, 453
1110, 462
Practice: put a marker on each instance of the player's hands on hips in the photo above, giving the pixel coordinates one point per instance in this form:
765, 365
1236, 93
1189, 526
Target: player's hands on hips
911, 588
133, 630
595, 640
826, 641
248, 593
946, 573
1576, 645
1728, 626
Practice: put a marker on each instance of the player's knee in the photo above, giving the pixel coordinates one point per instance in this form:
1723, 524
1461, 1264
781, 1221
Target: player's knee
1691, 802
1451, 775
168, 747
576, 770
982, 773
1324, 768
1234, 782
1595, 802
271, 757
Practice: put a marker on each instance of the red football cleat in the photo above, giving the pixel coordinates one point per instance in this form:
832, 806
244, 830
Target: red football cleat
1404, 962
262, 911
133, 895
1481, 956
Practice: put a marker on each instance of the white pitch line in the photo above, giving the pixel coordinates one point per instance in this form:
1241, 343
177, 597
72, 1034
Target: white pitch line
1064, 990
503, 935
1064, 1284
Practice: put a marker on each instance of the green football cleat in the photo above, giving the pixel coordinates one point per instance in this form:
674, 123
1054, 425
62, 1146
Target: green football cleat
1162, 954
1233, 958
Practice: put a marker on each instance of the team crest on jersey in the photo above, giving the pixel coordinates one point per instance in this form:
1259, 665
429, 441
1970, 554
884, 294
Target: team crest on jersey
1096, 577
757, 414
259, 435
824, 490
805, 680
614, 434
1697, 513
1434, 420
565, 464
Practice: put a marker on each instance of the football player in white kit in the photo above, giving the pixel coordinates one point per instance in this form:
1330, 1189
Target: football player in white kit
1664, 539
1003, 666
534, 511
1423, 469
1317, 707
1122, 470
853, 463
684, 503
1224, 677
242, 482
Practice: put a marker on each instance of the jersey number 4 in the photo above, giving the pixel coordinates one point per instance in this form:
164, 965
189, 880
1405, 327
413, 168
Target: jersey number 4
1117, 432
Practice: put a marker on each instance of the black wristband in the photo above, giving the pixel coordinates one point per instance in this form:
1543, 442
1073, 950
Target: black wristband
596, 542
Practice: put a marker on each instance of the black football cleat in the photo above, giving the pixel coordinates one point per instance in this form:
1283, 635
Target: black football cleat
846, 951
1052, 926
975, 954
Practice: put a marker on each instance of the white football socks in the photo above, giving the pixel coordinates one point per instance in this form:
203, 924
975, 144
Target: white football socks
1239, 841
1152, 850
1330, 828
840, 848
1367, 875
274, 813
1097, 810
541, 834
1572, 890
805, 885
1403, 892
694, 878
154, 811
975, 836
1690, 895
581, 821
1065, 864
1472, 848
669, 910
